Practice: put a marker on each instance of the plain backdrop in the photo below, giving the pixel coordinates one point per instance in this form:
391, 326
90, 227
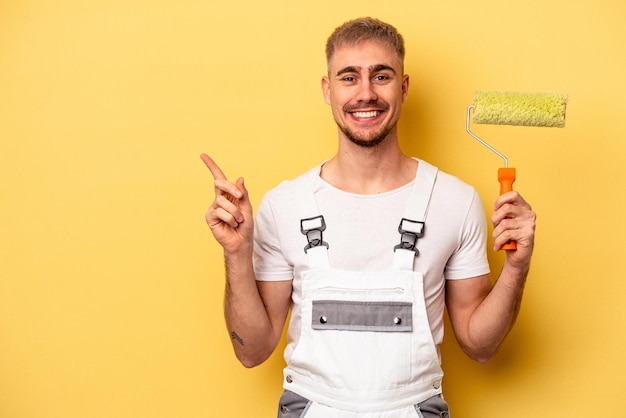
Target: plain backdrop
110, 282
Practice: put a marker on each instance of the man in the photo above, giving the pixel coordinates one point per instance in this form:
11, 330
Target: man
365, 250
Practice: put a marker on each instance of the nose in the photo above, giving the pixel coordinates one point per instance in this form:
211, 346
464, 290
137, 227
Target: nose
366, 92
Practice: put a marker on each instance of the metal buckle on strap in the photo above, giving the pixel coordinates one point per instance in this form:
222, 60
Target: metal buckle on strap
411, 231
312, 228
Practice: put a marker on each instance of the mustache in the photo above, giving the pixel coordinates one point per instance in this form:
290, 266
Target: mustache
373, 104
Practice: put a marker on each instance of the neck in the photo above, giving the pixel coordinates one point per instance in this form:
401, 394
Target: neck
365, 170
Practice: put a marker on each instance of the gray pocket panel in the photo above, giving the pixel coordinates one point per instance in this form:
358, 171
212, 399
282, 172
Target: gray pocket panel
362, 316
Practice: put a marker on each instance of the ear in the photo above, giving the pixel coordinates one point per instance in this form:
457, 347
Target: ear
326, 89
405, 87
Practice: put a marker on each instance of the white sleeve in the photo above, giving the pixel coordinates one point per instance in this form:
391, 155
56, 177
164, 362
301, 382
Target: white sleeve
470, 259
270, 263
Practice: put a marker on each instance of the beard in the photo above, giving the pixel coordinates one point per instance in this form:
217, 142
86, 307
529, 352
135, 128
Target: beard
366, 139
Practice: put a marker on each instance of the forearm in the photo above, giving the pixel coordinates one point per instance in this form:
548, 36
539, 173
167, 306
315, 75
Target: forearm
494, 317
246, 317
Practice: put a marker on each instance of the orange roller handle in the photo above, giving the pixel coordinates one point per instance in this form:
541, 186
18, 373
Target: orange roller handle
506, 177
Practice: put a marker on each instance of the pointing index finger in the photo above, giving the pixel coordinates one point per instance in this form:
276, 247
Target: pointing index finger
217, 172
222, 185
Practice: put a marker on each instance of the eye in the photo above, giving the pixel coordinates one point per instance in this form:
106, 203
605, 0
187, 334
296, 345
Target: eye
381, 77
349, 79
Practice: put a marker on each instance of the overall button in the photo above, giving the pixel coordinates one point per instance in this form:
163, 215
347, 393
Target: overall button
289, 379
284, 409
437, 384
323, 319
397, 320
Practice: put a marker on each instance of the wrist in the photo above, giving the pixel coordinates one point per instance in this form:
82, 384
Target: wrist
239, 250
518, 272
238, 261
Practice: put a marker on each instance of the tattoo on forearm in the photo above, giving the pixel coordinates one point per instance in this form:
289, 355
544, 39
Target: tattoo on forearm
234, 336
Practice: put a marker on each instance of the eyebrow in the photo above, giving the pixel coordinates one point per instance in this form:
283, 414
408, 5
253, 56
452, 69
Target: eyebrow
349, 69
373, 69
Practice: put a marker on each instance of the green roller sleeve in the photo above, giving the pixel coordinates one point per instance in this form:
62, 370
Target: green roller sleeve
521, 109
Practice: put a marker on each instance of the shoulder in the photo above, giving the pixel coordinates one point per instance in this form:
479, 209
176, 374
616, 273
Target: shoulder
446, 180
452, 196
450, 184
284, 201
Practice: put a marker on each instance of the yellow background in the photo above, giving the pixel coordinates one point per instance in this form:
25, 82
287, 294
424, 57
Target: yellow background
110, 282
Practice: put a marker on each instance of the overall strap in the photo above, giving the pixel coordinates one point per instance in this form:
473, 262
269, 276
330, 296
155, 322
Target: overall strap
312, 223
413, 225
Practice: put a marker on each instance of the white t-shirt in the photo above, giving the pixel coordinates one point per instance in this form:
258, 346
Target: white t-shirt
362, 230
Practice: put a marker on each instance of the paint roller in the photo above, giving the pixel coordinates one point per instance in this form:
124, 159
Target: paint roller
517, 109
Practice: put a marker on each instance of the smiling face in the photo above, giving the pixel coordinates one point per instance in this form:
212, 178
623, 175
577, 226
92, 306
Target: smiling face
365, 88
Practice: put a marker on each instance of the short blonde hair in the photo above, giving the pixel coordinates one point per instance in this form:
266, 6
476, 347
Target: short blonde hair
365, 28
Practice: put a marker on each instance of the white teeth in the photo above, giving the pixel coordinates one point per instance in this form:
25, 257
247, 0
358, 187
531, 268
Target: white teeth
363, 115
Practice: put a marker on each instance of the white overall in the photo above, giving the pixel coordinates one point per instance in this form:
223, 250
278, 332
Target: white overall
365, 348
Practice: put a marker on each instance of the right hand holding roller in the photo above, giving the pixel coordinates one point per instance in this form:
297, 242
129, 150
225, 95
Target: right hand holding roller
520, 109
